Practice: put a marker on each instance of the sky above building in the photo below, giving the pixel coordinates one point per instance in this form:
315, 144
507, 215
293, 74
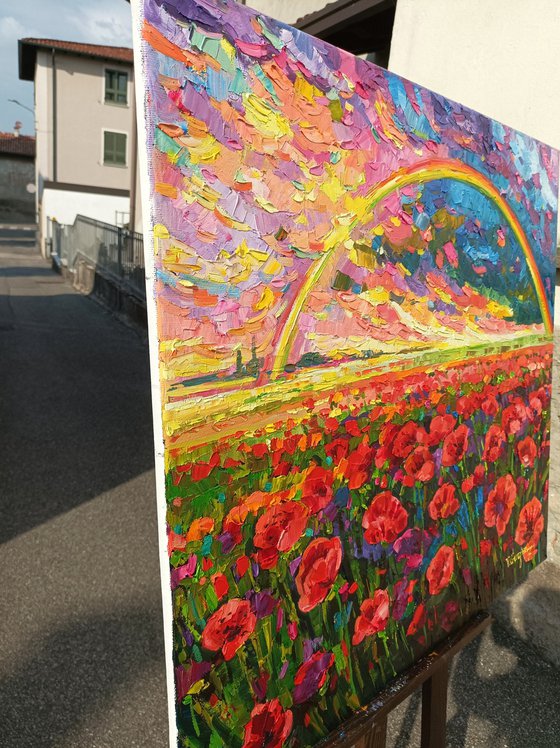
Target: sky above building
102, 22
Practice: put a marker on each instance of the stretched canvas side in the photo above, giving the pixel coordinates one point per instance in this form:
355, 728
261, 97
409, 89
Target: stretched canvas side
143, 123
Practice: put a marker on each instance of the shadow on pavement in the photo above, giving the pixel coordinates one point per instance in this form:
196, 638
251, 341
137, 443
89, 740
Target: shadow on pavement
81, 651
75, 407
24, 272
83, 672
501, 694
500, 682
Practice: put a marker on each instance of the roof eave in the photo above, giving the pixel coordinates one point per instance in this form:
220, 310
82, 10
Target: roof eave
342, 23
28, 57
340, 13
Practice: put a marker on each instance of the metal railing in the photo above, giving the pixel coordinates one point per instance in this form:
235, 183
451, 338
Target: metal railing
113, 250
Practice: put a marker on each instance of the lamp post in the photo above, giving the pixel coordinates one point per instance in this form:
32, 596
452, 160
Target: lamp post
15, 101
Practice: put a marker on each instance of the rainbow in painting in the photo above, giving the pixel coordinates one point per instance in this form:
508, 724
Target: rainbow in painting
352, 300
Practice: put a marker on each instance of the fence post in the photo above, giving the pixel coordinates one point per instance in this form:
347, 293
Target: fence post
119, 250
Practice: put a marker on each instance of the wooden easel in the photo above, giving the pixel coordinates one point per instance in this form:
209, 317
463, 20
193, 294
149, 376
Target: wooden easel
369, 728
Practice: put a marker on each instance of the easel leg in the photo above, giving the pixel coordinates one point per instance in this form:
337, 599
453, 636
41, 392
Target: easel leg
434, 708
377, 738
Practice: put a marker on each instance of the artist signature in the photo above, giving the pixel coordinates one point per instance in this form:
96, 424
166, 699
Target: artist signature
510, 560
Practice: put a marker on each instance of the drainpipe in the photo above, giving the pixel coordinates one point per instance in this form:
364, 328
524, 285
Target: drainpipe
54, 120
134, 164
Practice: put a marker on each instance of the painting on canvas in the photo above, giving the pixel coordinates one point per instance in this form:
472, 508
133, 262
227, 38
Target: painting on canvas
351, 307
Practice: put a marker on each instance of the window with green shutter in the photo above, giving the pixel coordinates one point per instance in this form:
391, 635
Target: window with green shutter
114, 148
116, 85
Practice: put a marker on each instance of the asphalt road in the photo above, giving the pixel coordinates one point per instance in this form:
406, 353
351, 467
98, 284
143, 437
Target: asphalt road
81, 656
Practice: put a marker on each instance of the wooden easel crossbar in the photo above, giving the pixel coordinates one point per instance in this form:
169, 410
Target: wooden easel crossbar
368, 729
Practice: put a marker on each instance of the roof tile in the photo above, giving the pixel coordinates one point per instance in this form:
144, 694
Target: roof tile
22, 145
122, 54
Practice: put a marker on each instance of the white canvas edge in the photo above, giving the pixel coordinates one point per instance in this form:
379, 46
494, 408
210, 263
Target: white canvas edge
145, 187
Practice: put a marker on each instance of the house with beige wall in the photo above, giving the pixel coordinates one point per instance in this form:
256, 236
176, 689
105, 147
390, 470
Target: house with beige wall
84, 105
287, 11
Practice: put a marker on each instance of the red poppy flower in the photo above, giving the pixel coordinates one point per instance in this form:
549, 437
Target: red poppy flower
440, 427
479, 475
229, 627
409, 437
420, 464
440, 570
384, 519
311, 676
278, 530
317, 571
493, 444
485, 548
201, 470
499, 504
374, 614
221, 585
529, 528
538, 400
468, 484
317, 489
269, 726
527, 452
337, 450
418, 620
467, 404
513, 418
445, 503
490, 406
455, 445
386, 438
233, 523
352, 427
359, 465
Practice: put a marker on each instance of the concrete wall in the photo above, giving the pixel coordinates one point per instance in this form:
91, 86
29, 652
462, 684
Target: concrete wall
287, 10
17, 204
499, 57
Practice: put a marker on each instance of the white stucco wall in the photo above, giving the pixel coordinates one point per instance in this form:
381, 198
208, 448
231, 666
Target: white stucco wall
83, 115
499, 57
43, 122
65, 205
287, 10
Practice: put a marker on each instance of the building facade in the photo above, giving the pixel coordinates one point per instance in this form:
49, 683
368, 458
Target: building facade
84, 117
285, 10
17, 178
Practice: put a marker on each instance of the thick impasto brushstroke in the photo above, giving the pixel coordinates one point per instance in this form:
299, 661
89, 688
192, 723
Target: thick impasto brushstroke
354, 306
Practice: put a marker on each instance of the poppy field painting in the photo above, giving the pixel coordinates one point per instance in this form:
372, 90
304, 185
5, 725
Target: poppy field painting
351, 294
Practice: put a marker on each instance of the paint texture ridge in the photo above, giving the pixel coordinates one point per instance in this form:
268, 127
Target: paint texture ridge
353, 287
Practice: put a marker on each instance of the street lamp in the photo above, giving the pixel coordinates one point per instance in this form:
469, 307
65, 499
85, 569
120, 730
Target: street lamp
15, 101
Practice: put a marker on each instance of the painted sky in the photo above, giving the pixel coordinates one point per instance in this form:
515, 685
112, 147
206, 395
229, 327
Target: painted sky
267, 149
102, 22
